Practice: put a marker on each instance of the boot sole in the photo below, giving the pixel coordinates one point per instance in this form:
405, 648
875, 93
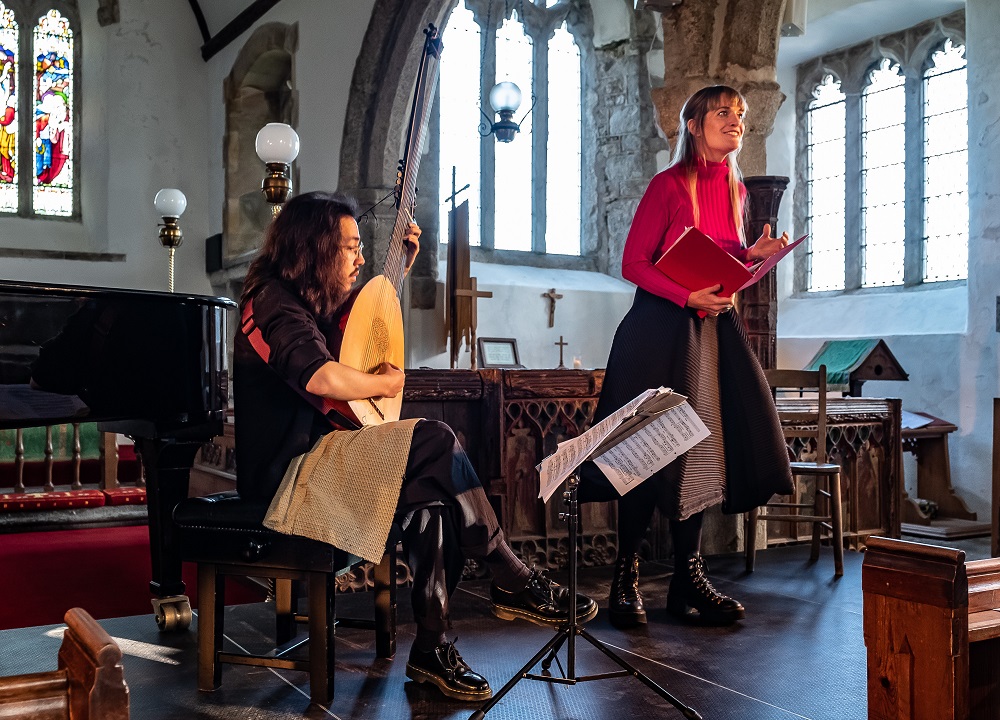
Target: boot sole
509, 613
626, 620
419, 675
693, 616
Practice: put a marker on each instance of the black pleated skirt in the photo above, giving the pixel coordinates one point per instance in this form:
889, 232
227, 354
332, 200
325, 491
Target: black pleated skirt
744, 462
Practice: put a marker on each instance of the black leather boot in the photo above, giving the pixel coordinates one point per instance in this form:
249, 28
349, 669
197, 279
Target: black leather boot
692, 597
625, 606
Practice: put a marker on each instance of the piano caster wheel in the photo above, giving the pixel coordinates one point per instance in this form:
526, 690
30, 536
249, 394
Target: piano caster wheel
172, 614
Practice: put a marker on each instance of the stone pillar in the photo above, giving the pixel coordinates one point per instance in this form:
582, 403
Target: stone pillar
723, 42
759, 303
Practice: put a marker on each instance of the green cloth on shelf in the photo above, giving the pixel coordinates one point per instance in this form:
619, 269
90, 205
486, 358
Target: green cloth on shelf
62, 443
841, 358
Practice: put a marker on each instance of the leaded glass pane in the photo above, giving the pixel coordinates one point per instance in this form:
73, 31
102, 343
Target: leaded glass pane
53, 100
513, 159
9, 50
460, 117
562, 192
946, 166
825, 216
883, 143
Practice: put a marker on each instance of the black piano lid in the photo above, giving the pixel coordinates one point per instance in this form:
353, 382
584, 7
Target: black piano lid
124, 354
12, 287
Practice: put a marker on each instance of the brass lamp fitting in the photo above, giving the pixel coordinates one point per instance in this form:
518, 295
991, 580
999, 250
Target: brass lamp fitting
170, 233
277, 184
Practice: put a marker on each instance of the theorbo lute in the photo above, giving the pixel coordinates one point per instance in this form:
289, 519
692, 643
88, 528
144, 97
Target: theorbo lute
374, 331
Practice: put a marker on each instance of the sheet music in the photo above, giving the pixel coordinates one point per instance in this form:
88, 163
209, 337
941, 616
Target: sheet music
652, 447
652, 415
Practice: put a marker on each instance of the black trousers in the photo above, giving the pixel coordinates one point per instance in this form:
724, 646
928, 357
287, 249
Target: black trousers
446, 519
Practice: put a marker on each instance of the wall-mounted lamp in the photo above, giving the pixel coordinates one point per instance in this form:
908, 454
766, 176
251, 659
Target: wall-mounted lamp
171, 204
505, 97
277, 145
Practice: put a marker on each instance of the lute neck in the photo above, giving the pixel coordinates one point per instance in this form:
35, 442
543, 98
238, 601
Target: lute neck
406, 179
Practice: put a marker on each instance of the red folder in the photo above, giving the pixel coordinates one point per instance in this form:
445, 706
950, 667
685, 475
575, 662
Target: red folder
695, 262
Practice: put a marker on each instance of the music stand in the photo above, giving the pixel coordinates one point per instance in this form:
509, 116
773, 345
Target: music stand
568, 632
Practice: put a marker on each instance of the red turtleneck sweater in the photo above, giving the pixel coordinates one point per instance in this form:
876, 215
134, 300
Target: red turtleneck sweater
663, 214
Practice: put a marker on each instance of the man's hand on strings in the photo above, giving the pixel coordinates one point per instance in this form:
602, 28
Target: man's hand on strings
709, 301
766, 245
411, 242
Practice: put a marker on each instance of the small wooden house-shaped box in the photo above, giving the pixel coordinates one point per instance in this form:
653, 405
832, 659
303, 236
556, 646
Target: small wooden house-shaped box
850, 362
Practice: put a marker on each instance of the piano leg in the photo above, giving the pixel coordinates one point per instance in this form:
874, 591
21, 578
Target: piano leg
167, 464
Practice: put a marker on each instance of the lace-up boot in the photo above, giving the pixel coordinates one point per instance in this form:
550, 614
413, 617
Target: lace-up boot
542, 602
444, 668
625, 607
692, 596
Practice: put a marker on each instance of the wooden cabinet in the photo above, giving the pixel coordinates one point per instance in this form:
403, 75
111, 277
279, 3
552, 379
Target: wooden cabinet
864, 438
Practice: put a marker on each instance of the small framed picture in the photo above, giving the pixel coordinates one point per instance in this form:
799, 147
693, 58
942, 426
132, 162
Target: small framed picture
498, 353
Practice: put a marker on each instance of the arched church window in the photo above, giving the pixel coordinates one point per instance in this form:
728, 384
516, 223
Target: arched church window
37, 128
946, 165
883, 175
525, 194
825, 151
901, 219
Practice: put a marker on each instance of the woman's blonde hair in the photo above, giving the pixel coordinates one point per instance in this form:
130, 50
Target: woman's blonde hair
696, 108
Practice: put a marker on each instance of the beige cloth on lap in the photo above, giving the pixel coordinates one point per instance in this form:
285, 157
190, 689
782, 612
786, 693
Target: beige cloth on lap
344, 491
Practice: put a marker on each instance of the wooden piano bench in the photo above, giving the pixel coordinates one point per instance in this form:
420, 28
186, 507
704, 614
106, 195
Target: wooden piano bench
223, 534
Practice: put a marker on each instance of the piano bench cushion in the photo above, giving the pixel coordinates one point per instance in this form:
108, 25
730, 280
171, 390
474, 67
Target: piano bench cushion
224, 529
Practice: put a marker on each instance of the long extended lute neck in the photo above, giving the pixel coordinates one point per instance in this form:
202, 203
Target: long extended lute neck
406, 179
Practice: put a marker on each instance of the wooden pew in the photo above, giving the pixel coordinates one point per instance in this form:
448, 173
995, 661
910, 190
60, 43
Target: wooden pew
932, 632
89, 684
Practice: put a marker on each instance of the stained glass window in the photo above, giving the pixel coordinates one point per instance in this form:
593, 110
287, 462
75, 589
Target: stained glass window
8, 122
946, 166
883, 176
53, 101
825, 152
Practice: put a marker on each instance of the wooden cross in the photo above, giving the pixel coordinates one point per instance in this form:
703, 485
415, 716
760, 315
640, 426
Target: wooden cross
475, 294
552, 295
561, 345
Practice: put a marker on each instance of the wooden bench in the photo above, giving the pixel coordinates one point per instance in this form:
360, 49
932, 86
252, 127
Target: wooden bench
89, 684
932, 632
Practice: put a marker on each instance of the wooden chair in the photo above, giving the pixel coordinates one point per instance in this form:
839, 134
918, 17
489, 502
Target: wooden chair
89, 684
807, 419
223, 534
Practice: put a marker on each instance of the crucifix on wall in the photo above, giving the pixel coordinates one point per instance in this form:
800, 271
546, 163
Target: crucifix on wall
552, 296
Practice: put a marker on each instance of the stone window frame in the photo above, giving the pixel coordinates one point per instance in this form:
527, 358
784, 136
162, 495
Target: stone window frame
539, 22
27, 13
912, 50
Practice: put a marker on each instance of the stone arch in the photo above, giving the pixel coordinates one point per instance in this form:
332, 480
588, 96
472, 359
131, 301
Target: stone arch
259, 89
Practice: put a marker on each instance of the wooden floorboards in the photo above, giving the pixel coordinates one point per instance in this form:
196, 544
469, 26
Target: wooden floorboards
799, 654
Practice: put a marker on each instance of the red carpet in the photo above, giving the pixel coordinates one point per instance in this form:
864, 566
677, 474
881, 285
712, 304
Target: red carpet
106, 571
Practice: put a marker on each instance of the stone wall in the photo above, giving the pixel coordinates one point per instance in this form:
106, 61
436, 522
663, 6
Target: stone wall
626, 132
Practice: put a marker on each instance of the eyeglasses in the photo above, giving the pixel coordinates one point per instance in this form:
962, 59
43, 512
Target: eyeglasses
356, 251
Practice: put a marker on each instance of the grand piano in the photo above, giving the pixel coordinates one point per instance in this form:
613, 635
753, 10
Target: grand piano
149, 365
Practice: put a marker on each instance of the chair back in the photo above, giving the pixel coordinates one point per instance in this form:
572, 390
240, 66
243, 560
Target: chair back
805, 411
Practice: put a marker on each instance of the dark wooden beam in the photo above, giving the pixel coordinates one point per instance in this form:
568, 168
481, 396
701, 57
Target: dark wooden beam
236, 27
199, 17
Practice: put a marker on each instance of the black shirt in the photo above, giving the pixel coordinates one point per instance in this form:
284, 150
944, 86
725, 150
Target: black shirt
273, 422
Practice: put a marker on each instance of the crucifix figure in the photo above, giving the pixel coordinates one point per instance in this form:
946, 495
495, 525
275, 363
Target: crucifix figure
561, 345
552, 296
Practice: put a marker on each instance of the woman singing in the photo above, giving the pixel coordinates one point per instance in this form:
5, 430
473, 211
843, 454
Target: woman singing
694, 343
